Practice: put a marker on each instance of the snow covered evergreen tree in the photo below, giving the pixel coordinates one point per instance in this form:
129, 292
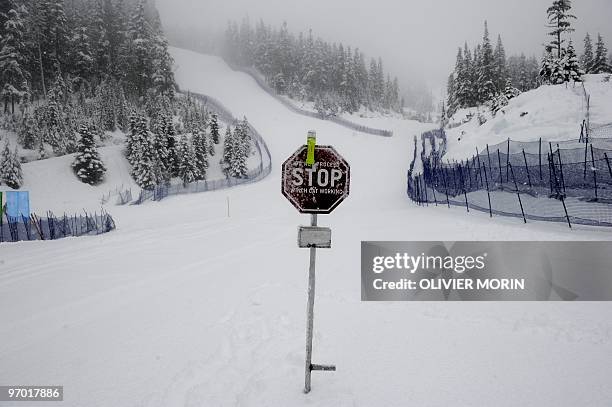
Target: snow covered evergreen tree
600, 60
486, 69
80, 55
145, 165
140, 33
214, 128
29, 134
201, 149
587, 57
10, 168
463, 80
241, 150
131, 139
547, 67
500, 73
228, 149
87, 164
451, 95
171, 143
571, 66
557, 74
188, 169
510, 92
559, 22
13, 58
481, 75
236, 150
52, 36
162, 154
162, 75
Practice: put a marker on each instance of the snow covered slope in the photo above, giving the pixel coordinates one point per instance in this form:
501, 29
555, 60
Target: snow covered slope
553, 113
183, 305
53, 186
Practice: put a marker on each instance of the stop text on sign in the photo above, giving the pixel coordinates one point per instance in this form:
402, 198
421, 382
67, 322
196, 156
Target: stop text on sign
318, 188
321, 177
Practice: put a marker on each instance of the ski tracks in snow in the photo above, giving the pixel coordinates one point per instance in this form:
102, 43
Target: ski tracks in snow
241, 365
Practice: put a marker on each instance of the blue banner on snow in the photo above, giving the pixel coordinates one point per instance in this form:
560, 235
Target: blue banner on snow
17, 204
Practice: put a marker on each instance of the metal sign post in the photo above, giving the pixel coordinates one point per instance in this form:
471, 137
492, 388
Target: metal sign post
315, 180
310, 310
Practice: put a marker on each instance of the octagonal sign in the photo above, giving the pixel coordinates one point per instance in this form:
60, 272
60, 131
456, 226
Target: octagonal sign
318, 188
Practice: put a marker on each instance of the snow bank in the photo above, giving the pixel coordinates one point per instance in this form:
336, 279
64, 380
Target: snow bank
53, 185
553, 113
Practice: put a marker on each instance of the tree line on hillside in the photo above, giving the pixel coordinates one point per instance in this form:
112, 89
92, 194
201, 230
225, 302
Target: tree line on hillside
333, 76
561, 63
71, 70
161, 148
484, 76
79, 45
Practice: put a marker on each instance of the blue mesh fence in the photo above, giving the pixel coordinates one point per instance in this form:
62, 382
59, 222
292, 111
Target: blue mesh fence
52, 227
561, 182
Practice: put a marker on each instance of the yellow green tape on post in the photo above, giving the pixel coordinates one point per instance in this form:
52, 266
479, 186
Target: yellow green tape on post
311, 142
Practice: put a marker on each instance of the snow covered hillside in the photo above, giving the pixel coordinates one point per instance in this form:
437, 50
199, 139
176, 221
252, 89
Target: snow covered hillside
552, 112
185, 305
54, 187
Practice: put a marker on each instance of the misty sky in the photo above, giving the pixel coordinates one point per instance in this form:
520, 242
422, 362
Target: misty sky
417, 40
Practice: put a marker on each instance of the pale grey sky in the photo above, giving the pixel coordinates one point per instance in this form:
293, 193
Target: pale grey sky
416, 39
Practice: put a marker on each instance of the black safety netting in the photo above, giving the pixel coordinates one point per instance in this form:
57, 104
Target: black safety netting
566, 181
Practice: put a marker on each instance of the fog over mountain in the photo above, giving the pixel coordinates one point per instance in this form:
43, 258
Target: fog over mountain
416, 39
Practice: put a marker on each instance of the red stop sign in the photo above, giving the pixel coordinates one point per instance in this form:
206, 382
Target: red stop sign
318, 188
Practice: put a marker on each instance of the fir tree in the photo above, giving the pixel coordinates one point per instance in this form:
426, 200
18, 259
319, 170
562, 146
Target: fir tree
557, 74
87, 164
140, 33
600, 60
587, 58
228, 149
130, 138
214, 128
464, 78
13, 58
547, 67
145, 169
162, 154
241, 150
171, 143
451, 95
200, 148
53, 35
486, 68
559, 23
571, 66
81, 59
10, 168
188, 170
42, 154
28, 133
162, 75
510, 92
500, 73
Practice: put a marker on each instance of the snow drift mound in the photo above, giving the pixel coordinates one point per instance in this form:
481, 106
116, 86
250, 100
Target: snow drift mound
550, 112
